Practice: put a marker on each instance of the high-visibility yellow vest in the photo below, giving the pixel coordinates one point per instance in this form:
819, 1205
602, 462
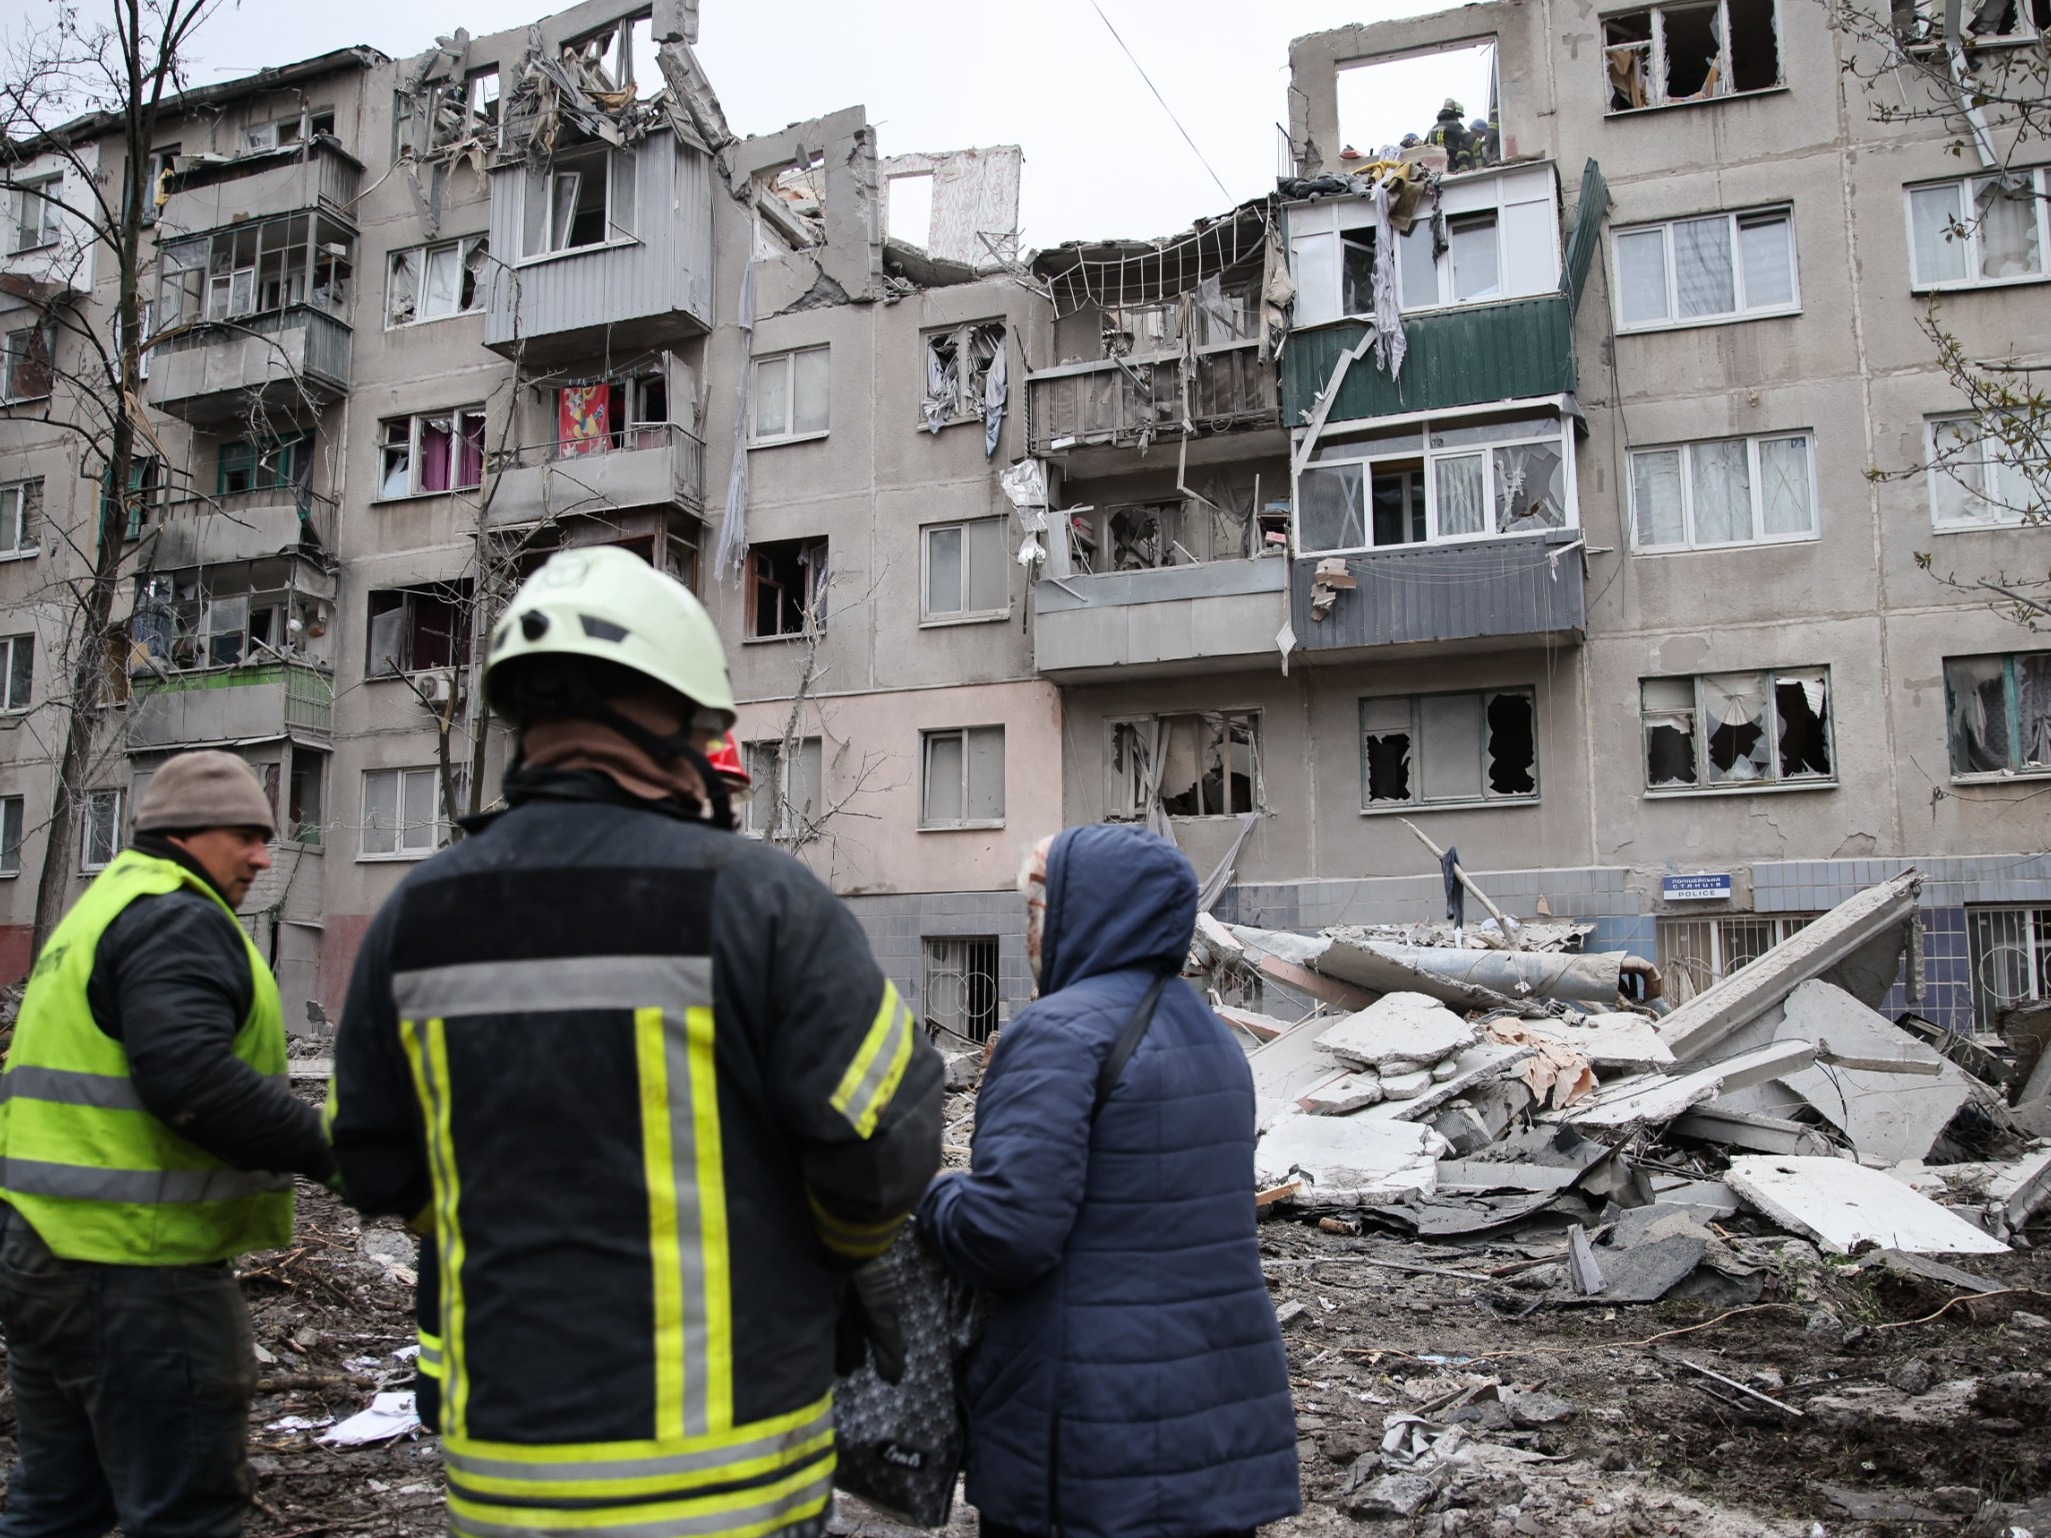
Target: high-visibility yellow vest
95, 1174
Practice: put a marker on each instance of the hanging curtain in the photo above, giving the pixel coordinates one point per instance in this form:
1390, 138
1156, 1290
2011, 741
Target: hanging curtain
583, 420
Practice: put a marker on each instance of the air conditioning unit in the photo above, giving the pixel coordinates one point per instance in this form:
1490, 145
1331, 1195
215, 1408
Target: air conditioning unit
437, 689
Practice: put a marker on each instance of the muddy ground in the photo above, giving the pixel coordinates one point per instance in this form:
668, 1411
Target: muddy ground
1945, 1422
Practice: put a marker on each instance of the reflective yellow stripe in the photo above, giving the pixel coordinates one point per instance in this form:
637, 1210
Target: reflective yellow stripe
718, 1391
755, 1509
430, 1359
872, 1077
860, 1241
429, 1061
463, 1480
659, 1168
581, 1455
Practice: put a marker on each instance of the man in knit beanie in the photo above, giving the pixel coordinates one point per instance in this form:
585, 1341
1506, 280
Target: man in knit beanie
148, 1136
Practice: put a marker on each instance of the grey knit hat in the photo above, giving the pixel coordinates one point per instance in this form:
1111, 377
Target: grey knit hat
205, 789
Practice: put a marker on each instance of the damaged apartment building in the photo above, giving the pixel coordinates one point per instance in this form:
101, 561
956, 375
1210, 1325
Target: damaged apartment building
1502, 471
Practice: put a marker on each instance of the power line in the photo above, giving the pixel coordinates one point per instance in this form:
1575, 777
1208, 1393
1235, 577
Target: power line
1159, 98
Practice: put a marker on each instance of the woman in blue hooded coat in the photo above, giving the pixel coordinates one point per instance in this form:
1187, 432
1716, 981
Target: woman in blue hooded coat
1131, 1382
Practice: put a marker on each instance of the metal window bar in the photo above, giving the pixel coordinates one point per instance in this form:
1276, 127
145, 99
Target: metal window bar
960, 991
2010, 954
1697, 953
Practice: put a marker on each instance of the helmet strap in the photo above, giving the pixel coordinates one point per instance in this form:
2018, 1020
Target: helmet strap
716, 804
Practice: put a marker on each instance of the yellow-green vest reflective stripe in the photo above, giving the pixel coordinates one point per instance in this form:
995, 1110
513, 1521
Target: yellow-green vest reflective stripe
96, 1175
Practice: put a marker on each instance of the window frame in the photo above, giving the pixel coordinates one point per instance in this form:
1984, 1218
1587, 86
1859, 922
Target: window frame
816, 607
966, 376
1369, 457
2019, 766
438, 830
457, 415
94, 799
26, 496
1254, 717
467, 249
47, 193
1674, 320
45, 354
10, 646
579, 155
788, 358
2033, 919
764, 758
14, 809
937, 953
1655, 55
1965, 187
1371, 808
1777, 781
928, 737
1689, 544
444, 592
1996, 469
929, 617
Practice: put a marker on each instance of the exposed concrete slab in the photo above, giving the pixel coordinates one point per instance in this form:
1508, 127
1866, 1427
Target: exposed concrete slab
1842, 946
1629, 1104
1348, 1161
1611, 1041
1400, 1027
1478, 1065
1887, 1116
1468, 1175
1716, 1122
1349, 1092
1844, 1206
1288, 1067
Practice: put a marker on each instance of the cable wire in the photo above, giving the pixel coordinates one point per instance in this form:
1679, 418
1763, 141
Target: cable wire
1159, 98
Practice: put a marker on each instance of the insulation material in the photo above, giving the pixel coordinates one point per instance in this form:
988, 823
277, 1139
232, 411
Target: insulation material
1025, 487
1559, 1075
731, 559
996, 387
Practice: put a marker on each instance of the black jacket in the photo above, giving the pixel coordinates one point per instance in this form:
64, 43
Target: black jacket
657, 1096
171, 983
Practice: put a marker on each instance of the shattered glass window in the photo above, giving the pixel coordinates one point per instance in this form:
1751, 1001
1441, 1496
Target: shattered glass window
1679, 53
1329, 513
1667, 709
1998, 712
1737, 729
1448, 748
1977, 230
1205, 765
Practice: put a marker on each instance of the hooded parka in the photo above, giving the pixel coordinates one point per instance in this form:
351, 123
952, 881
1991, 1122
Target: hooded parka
1131, 1383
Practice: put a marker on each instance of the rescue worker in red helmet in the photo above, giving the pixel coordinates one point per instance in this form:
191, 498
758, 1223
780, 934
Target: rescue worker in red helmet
646, 1083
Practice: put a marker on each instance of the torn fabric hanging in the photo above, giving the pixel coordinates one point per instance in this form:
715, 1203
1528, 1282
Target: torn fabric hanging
942, 403
996, 392
583, 419
1386, 343
1025, 485
731, 559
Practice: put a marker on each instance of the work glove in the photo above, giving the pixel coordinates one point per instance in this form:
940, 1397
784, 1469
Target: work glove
871, 1322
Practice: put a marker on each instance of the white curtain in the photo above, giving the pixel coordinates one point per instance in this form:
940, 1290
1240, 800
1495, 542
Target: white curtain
2007, 215
1462, 505
1784, 487
1702, 267
1720, 479
1656, 498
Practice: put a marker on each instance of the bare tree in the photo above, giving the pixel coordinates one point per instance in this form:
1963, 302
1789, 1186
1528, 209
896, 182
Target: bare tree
65, 91
1979, 71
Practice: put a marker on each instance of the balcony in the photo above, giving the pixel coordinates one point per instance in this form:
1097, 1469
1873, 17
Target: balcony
234, 704
1523, 587
1467, 356
1123, 402
650, 277
242, 526
208, 194
1172, 619
656, 466
282, 363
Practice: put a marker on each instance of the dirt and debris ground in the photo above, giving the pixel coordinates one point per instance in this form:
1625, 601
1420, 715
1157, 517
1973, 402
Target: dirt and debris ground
1948, 1421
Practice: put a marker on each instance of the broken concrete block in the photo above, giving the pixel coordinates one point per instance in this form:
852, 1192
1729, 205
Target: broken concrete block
1844, 1206
1292, 1314
1499, 1102
1478, 1065
1645, 1225
1350, 1092
1348, 1161
1444, 1069
1629, 1104
1645, 1273
1462, 1128
1399, 1027
1386, 1495
1405, 1086
1530, 1407
1715, 1122
1613, 1041
1401, 1065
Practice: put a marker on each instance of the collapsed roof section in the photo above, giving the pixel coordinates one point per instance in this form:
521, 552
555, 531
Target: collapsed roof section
1232, 248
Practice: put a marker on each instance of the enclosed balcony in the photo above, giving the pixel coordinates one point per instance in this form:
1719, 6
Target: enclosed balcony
1170, 619
1448, 597
1126, 402
601, 238
644, 465
209, 192
248, 704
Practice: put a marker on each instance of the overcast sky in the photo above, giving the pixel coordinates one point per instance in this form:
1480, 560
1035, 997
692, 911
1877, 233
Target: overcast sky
1102, 159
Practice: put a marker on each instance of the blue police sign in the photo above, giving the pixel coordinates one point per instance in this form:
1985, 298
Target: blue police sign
1698, 888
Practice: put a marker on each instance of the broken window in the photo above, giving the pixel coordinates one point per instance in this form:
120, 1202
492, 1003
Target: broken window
432, 452
415, 629
1447, 479
968, 569
25, 370
404, 816
791, 397
1729, 730
1978, 230
1714, 268
1204, 765
224, 616
17, 671
787, 800
1669, 54
21, 510
257, 269
2009, 949
1727, 491
481, 93
264, 464
1386, 105
102, 831
37, 213
958, 363
961, 778
909, 218
1448, 748
1998, 713
786, 587
959, 991
435, 282
1921, 23
304, 796
1977, 481
145, 494
585, 198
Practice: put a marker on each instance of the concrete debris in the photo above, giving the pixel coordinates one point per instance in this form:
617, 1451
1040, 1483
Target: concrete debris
1348, 1161
1348, 1092
1559, 1074
1399, 1028
1637, 1101
1406, 1086
1846, 1207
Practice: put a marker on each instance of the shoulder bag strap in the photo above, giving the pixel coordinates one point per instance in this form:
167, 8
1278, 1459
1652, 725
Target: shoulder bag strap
1128, 1043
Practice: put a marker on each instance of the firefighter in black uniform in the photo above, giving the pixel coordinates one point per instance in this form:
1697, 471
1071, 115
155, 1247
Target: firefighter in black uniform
645, 1085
